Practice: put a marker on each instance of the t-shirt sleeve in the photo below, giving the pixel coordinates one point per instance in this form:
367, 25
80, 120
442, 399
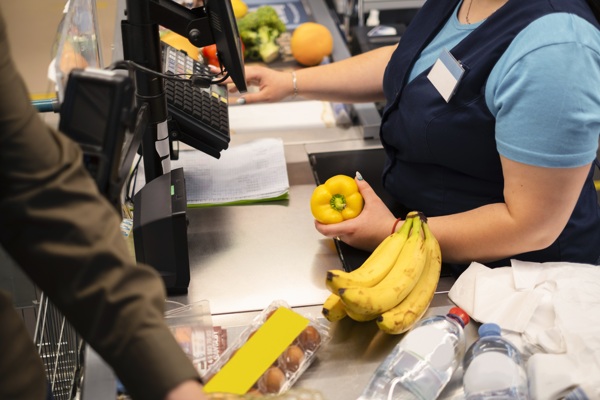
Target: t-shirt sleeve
545, 94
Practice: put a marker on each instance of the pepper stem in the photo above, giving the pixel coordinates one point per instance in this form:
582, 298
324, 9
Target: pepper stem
338, 202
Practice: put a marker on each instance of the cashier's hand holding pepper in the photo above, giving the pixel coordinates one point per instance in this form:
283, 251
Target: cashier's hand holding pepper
362, 232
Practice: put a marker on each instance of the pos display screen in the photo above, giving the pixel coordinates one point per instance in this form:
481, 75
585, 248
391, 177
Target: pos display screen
228, 41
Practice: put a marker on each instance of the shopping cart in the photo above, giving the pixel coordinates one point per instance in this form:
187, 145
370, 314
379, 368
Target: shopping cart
61, 350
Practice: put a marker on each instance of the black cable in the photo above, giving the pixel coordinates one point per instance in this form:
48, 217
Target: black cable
223, 79
204, 80
130, 190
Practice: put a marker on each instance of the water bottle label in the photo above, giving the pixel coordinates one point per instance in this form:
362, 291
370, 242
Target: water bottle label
492, 371
429, 342
416, 375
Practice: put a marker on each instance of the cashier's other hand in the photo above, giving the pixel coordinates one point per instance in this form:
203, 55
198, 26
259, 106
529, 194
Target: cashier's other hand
266, 85
369, 228
187, 390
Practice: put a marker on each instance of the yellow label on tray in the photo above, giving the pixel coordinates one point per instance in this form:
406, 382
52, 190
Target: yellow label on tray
260, 351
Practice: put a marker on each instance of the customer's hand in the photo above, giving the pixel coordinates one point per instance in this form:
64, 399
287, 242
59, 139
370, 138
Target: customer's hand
272, 85
369, 228
187, 390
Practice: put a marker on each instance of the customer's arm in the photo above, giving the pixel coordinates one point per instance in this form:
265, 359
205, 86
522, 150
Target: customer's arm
354, 80
66, 237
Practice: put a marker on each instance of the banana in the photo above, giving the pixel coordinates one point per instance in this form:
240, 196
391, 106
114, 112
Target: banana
402, 317
376, 266
340, 276
333, 308
396, 285
360, 317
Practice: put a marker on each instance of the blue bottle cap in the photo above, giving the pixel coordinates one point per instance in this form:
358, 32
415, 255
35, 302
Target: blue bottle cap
489, 329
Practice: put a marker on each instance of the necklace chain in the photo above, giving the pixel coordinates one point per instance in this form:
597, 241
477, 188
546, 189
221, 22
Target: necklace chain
468, 10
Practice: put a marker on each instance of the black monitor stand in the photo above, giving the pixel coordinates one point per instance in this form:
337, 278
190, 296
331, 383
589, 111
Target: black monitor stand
160, 220
160, 226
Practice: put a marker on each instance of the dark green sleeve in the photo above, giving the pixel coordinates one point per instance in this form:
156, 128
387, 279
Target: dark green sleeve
66, 237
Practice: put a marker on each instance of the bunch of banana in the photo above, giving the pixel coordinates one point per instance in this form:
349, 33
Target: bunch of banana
395, 285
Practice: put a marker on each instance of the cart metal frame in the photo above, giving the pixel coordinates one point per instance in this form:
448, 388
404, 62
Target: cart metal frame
61, 350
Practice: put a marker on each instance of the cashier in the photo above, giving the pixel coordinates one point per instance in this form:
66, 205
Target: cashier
66, 237
490, 128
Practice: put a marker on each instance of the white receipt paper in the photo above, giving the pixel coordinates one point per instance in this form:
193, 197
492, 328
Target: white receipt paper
250, 172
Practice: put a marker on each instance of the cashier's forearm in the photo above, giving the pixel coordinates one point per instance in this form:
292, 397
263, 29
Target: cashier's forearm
354, 80
486, 234
538, 204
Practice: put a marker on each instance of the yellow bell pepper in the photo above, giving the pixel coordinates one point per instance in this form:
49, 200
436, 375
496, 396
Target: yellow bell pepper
336, 200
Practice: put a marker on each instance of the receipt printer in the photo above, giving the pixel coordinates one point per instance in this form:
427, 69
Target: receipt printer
160, 229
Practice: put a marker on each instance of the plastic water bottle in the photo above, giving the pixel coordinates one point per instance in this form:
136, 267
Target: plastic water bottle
493, 368
422, 363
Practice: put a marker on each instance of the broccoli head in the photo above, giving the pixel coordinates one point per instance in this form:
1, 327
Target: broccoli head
259, 30
268, 48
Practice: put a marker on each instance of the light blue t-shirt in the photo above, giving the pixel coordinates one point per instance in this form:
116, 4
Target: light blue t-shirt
544, 91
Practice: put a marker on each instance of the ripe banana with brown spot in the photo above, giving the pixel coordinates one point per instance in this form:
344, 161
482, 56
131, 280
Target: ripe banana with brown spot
396, 285
402, 317
333, 308
376, 266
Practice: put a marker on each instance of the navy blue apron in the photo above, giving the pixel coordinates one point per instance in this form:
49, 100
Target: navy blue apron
442, 157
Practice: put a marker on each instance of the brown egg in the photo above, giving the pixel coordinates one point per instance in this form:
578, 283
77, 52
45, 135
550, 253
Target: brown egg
271, 381
309, 339
291, 358
253, 392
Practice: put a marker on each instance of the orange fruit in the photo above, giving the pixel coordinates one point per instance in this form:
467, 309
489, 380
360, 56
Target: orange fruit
311, 42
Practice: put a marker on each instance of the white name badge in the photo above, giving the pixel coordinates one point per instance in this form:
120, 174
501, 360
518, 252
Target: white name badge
445, 75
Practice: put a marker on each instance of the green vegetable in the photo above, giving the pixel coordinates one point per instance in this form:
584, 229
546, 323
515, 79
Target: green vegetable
259, 30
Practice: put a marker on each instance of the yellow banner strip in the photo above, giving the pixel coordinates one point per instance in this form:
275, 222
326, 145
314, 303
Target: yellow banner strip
42, 96
258, 353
